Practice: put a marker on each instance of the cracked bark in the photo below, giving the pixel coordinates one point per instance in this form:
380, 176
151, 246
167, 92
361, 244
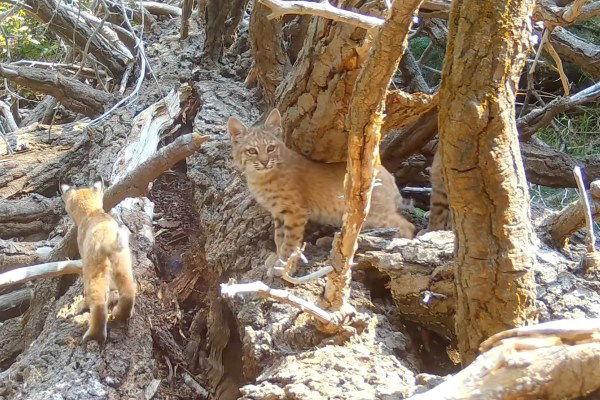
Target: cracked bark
482, 164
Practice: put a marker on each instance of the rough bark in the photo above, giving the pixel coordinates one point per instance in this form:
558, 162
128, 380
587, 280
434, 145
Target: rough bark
576, 50
15, 254
315, 97
222, 19
41, 113
560, 226
70, 92
270, 58
485, 179
364, 123
237, 239
79, 28
14, 303
34, 214
553, 168
537, 362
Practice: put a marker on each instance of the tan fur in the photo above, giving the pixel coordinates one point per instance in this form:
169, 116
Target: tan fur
104, 249
295, 189
439, 211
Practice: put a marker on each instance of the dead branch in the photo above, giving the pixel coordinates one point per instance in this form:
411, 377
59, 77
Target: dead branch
323, 9
186, 12
15, 303
15, 254
563, 224
553, 168
9, 121
135, 182
364, 121
112, 46
157, 8
41, 113
540, 117
559, 66
71, 69
573, 49
30, 215
73, 94
48, 270
553, 15
530, 362
280, 295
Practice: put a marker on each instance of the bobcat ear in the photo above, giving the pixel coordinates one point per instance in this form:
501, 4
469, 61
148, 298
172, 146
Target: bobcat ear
273, 120
64, 188
99, 185
236, 128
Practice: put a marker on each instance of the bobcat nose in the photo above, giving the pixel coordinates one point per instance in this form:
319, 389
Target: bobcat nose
265, 163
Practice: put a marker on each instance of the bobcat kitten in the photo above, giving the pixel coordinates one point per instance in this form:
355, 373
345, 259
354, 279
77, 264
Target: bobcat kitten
104, 250
295, 189
439, 212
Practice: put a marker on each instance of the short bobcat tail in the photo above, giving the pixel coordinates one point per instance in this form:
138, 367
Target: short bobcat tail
121, 242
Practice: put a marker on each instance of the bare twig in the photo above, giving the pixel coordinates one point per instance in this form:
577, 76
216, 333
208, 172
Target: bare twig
280, 295
48, 270
541, 117
530, 73
324, 9
563, 77
589, 222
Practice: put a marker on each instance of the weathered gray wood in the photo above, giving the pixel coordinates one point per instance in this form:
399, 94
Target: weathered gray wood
15, 303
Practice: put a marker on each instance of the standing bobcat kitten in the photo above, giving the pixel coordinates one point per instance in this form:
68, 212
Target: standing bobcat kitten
295, 189
104, 250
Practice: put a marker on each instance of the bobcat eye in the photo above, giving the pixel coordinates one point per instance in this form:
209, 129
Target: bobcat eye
252, 151
270, 148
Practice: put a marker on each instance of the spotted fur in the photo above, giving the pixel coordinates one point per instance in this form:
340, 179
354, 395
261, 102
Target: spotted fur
296, 190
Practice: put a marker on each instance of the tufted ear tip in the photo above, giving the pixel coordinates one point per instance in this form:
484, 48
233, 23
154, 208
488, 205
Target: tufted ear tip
98, 185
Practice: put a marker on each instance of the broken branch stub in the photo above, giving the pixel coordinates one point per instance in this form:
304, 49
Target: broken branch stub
562, 225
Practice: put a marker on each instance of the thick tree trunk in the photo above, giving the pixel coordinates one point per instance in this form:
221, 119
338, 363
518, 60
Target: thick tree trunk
483, 169
222, 19
270, 59
315, 97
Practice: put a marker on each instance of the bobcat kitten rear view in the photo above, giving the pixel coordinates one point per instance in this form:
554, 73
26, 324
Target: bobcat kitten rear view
104, 250
295, 189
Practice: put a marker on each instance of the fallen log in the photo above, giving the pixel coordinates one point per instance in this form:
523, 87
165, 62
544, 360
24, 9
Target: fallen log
575, 50
112, 45
70, 92
552, 360
33, 214
16, 254
15, 303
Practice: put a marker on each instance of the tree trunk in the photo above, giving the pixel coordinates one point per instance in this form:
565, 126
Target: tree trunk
483, 169
270, 58
315, 97
222, 19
